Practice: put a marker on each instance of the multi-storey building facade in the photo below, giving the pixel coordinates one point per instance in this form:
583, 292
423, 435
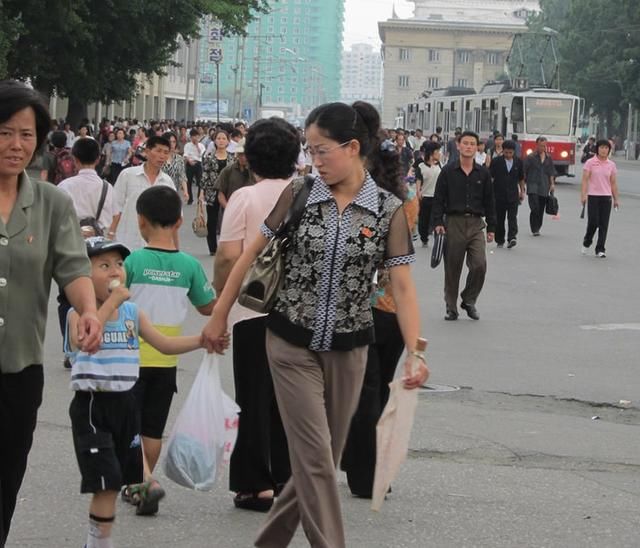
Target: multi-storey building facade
291, 57
462, 43
362, 75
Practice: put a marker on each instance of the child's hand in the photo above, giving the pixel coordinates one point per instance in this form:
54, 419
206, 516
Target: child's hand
119, 293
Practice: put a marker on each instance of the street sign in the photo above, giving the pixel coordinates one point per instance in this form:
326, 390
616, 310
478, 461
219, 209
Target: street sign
215, 55
215, 34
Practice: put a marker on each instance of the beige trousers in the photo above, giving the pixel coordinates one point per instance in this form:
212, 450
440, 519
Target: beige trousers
317, 395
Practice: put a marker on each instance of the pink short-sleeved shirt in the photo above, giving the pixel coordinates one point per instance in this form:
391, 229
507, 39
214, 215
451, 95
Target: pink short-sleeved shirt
247, 209
601, 172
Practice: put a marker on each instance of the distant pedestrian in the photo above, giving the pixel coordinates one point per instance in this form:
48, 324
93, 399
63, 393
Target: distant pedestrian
193, 152
453, 154
496, 150
464, 192
427, 176
589, 150
599, 185
507, 172
540, 180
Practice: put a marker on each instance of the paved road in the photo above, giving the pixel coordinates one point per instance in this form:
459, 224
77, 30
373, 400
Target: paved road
512, 459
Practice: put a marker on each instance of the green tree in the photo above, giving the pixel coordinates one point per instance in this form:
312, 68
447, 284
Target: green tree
92, 50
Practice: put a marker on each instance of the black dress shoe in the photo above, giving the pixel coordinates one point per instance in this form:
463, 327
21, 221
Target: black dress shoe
451, 316
251, 501
471, 311
512, 243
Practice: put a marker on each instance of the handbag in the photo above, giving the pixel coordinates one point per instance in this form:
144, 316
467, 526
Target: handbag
262, 282
552, 207
199, 224
439, 245
90, 226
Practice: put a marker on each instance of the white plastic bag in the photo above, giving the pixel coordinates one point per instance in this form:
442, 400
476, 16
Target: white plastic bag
205, 431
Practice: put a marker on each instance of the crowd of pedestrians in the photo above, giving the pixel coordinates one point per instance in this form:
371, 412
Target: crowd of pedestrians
311, 376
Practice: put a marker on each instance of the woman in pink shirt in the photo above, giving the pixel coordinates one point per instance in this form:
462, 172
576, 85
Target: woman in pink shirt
599, 185
259, 465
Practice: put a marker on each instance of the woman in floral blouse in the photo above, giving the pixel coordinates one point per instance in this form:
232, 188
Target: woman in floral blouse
174, 166
212, 164
321, 324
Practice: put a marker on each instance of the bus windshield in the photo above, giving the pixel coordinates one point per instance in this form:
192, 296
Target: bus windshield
548, 116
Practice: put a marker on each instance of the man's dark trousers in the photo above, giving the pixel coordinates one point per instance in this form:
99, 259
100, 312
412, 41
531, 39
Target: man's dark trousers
465, 237
508, 211
599, 213
193, 172
537, 205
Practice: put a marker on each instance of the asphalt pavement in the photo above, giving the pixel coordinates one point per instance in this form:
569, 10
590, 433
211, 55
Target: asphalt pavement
534, 448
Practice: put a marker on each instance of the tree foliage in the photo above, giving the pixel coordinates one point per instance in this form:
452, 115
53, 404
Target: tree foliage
599, 49
92, 50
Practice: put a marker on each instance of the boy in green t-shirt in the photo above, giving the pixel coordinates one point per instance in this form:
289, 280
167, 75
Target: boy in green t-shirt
162, 281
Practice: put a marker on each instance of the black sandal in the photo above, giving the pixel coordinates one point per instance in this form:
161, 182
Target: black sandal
251, 501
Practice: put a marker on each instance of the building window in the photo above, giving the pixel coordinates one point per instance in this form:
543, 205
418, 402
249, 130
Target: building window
464, 57
404, 54
434, 55
492, 58
463, 83
432, 82
403, 81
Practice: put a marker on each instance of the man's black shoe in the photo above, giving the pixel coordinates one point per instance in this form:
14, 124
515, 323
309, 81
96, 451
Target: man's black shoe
512, 243
451, 316
471, 311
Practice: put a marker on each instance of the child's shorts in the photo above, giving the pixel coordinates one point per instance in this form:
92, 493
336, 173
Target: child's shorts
154, 392
106, 437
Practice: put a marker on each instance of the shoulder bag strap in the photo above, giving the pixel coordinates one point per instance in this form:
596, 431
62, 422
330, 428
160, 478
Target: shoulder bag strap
297, 208
103, 197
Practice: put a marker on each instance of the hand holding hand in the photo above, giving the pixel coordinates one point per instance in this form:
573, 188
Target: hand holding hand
215, 337
89, 332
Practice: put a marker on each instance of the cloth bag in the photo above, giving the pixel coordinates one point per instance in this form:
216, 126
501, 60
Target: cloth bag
199, 224
552, 207
262, 282
204, 434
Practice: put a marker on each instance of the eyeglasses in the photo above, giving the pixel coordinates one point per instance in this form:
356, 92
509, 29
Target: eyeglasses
323, 152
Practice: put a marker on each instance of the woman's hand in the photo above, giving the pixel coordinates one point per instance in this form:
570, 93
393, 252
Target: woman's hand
215, 337
414, 378
89, 332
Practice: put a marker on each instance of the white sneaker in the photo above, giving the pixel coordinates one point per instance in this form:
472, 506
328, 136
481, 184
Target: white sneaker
601, 254
585, 250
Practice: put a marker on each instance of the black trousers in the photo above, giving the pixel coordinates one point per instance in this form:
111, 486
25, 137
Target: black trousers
213, 212
114, 172
193, 172
598, 215
260, 458
537, 205
424, 219
359, 456
508, 211
20, 398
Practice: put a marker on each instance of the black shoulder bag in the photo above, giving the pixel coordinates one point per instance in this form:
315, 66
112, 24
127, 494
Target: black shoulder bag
264, 279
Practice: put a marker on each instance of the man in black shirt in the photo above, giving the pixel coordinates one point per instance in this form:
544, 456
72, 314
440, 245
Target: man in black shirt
507, 171
464, 192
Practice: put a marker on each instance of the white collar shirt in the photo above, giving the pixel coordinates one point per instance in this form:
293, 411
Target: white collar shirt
194, 152
85, 190
130, 184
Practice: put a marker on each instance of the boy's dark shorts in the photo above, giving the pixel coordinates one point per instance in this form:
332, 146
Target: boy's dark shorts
154, 391
106, 437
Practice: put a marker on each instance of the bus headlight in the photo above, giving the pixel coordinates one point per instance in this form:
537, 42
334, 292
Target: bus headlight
564, 154
529, 151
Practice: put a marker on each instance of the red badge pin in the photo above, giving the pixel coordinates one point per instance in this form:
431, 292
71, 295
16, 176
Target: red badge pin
366, 232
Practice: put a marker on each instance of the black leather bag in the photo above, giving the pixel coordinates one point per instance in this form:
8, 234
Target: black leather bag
264, 279
552, 207
439, 247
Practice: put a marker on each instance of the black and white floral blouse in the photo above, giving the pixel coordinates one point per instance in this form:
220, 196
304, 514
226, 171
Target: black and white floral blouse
174, 168
211, 168
324, 302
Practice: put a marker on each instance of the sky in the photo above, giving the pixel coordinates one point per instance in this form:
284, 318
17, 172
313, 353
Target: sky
362, 16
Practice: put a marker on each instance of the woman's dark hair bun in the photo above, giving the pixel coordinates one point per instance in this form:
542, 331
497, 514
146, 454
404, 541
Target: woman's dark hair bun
369, 116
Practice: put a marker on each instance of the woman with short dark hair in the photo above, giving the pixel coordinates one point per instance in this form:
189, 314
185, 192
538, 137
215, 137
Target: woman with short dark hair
40, 239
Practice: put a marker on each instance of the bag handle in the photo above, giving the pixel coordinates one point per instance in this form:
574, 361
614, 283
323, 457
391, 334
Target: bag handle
297, 208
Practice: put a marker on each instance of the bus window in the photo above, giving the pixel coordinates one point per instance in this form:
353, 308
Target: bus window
476, 112
485, 117
468, 116
548, 116
453, 115
517, 115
